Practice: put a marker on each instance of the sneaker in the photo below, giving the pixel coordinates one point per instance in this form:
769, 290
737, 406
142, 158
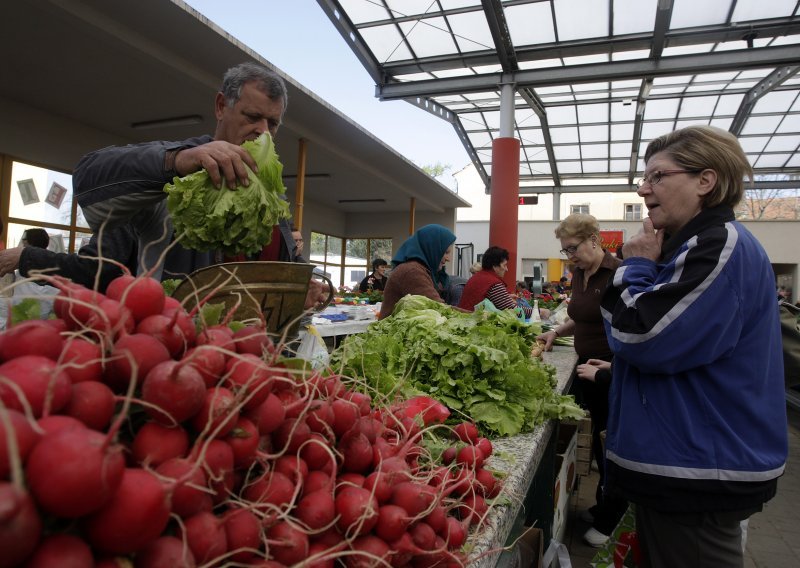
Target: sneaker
595, 538
586, 516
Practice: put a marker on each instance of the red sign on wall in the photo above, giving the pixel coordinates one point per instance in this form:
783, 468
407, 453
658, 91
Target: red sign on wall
612, 240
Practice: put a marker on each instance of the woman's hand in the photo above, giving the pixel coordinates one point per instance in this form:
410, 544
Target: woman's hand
547, 338
588, 370
599, 363
646, 243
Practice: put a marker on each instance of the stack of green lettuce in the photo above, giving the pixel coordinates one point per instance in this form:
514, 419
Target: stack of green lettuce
237, 220
478, 364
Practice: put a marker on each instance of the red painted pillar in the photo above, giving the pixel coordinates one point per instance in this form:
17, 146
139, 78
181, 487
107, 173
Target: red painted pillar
504, 208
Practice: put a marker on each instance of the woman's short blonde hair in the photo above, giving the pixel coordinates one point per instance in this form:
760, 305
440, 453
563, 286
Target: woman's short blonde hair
580, 225
706, 147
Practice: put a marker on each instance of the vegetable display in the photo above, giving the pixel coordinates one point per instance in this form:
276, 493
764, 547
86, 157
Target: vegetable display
133, 433
233, 220
476, 363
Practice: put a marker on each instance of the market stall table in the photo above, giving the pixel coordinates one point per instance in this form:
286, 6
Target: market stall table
527, 460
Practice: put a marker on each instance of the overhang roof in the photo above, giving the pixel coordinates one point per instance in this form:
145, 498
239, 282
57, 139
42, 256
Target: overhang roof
594, 80
103, 66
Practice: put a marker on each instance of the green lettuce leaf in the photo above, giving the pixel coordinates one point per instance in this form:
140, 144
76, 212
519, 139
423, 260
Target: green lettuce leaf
235, 221
478, 364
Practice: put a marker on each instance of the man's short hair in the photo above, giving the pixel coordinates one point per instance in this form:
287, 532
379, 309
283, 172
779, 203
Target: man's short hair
377, 263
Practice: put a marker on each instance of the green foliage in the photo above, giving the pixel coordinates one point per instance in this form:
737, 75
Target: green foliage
27, 309
237, 220
478, 364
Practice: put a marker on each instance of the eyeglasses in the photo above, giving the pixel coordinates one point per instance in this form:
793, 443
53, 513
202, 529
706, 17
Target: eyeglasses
655, 177
569, 251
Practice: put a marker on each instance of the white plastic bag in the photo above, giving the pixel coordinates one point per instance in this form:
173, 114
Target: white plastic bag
313, 349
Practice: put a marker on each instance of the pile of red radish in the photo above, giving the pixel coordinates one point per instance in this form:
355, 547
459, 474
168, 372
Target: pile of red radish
130, 437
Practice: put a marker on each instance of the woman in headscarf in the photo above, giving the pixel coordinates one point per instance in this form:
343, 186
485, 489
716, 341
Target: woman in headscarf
416, 264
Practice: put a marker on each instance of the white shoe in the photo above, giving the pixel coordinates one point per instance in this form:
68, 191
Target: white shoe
595, 538
586, 516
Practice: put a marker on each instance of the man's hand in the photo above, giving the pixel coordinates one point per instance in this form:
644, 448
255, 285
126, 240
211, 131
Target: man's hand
646, 243
318, 293
9, 260
220, 159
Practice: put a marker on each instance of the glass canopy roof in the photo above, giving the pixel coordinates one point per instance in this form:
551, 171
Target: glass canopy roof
594, 80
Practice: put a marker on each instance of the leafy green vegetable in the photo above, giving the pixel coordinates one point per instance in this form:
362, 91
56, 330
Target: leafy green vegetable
478, 364
237, 220
170, 284
27, 309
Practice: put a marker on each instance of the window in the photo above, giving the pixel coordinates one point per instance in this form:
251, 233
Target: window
633, 211
39, 197
347, 261
583, 208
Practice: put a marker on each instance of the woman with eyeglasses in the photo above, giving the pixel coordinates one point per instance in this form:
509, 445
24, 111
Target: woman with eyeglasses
697, 434
593, 268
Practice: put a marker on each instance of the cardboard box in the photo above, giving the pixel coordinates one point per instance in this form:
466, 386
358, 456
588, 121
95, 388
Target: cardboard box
584, 440
566, 476
583, 454
528, 550
585, 425
583, 468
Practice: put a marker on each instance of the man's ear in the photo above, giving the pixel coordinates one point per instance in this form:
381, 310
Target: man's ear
219, 105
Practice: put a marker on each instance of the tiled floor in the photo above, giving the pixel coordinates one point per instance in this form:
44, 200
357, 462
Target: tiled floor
773, 539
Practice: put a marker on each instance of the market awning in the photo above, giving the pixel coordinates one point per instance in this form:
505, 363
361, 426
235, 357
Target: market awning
594, 80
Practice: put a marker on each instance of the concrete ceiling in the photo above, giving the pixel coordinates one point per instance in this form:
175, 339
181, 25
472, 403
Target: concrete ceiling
78, 74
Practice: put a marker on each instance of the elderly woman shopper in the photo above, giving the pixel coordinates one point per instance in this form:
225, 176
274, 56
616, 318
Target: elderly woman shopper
416, 264
487, 284
697, 434
593, 268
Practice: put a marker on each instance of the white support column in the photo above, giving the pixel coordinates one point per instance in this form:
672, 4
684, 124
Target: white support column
506, 110
556, 204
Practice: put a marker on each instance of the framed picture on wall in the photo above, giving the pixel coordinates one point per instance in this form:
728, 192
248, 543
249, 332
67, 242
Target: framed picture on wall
56, 195
27, 191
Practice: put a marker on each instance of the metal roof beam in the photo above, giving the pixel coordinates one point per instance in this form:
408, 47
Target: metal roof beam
596, 72
536, 105
349, 32
764, 86
624, 188
594, 46
496, 19
437, 110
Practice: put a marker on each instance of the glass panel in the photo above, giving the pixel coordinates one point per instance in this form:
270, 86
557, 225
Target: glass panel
334, 250
747, 10
519, 20
356, 252
471, 31
318, 241
783, 143
633, 16
381, 248
40, 194
58, 239
593, 20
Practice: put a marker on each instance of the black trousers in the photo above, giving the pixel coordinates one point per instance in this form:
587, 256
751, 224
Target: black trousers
690, 540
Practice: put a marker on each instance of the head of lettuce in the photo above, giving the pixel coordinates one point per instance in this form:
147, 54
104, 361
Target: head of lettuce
233, 220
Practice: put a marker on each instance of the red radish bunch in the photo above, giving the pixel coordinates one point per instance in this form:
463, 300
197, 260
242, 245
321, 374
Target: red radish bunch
125, 433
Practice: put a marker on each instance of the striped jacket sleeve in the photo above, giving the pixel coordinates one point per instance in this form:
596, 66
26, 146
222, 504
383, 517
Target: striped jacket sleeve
502, 300
673, 316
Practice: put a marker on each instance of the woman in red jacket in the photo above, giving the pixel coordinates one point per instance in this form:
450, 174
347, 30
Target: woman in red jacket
487, 284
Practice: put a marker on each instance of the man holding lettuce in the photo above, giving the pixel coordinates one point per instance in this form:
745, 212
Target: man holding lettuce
228, 200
